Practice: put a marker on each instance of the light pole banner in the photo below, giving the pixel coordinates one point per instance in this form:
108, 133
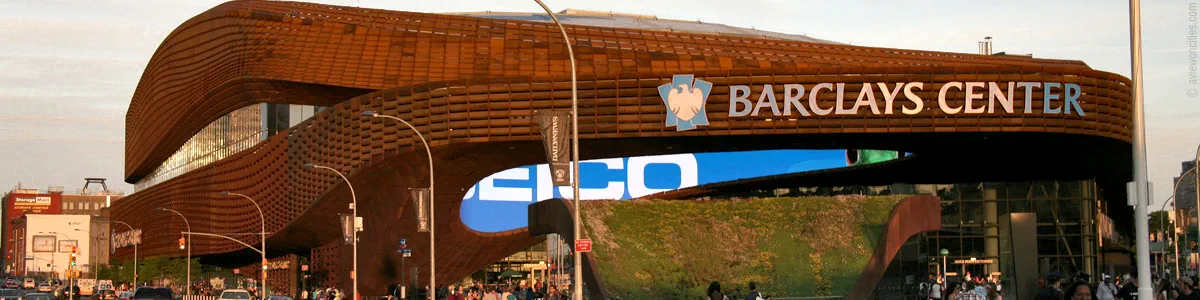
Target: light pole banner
347, 227
420, 198
557, 140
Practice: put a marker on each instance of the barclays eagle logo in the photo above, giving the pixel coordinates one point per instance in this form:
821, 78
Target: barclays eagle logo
685, 101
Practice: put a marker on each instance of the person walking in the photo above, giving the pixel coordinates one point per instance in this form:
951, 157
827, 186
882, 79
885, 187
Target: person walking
1052, 291
754, 294
1106, 290
491, 295
1187, 289
1129, 291
714, 291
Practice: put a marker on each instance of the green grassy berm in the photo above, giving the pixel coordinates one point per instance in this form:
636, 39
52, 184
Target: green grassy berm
808, 246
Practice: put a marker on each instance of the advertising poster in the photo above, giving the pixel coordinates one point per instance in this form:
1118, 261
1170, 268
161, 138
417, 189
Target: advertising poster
64, 246
43, 243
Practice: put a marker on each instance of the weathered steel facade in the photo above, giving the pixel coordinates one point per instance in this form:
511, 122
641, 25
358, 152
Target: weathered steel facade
472, 85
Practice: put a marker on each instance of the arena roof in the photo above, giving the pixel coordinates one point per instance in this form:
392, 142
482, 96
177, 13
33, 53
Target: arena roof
644, 22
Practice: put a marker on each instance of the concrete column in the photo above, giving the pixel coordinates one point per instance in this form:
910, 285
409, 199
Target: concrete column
991, 243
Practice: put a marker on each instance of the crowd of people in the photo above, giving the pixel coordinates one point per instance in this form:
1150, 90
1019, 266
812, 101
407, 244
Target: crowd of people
536, 290
967, 288
1054, 287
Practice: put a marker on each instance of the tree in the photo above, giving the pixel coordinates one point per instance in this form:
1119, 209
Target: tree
1160, 221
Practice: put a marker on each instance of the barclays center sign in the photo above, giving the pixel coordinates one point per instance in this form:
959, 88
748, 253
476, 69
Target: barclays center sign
686, 97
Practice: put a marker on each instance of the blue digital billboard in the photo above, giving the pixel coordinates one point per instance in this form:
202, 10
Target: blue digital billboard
500, 201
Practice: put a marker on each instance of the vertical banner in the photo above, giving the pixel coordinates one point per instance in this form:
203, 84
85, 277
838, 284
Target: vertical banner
557, 141
421, 200
347, 227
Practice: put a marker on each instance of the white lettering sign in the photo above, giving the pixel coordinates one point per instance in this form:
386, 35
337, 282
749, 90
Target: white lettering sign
976, 97
517, 184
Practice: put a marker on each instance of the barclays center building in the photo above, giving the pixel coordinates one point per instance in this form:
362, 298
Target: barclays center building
1021, 161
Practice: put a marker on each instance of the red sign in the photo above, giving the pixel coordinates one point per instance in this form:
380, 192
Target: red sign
303, 267
584, 245
236, 271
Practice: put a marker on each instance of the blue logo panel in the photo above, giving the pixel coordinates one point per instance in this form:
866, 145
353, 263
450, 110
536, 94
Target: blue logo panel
500, 202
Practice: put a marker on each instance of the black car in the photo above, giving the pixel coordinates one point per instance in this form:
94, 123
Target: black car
153, 293
69, 293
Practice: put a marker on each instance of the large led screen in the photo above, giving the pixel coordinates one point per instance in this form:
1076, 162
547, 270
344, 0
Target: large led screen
500, 202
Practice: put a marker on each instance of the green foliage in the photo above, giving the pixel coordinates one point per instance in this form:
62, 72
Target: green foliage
812, 246
1160, 221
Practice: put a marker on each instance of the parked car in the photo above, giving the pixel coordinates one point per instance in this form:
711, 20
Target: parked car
155, 293
279, 298
29, 284
234, 295
38, 296
11, 284
125, 296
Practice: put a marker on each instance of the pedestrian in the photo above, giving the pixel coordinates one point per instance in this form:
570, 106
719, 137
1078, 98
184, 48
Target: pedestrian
1080, 290
1052, 291
1187, 289
304, 294
754, 294
1165, 290
714, 291
491, 294
1106, 290
1129, 291
507, 294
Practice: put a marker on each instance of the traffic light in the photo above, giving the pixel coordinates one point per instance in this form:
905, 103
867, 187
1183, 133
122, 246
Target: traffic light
182, 243
74, 251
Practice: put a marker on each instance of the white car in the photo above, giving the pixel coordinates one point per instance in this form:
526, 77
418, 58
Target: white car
234, 295
29, 284
44, 288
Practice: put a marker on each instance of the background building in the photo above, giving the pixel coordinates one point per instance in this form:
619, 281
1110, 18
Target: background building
43, 243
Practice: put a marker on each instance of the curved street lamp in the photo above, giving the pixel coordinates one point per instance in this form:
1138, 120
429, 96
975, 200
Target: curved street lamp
578, 291
263, 233
429, 154
353, 225
188, 286
135, 252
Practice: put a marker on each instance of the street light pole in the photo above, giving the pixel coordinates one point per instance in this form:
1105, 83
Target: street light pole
135, 253
188, 286
353, 225
578, 293
1140, 180
262, 232
429, 154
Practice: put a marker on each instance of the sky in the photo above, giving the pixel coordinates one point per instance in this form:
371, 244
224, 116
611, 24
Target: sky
68, 68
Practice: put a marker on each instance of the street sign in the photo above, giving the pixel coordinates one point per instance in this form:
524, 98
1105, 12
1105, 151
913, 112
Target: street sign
304, 268
29, 258
584, 245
